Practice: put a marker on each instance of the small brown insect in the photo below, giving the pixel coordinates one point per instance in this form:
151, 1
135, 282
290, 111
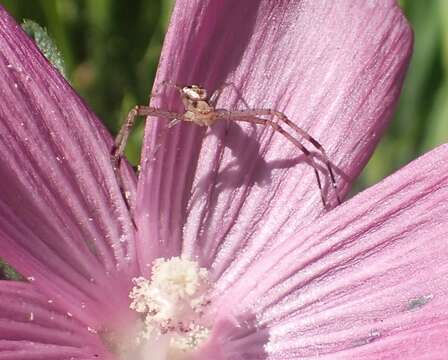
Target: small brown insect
200, 109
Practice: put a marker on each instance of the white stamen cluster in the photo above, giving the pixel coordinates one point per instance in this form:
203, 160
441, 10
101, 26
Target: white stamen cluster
172, 302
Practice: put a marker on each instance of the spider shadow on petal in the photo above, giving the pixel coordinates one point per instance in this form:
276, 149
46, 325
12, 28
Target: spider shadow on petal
237, 173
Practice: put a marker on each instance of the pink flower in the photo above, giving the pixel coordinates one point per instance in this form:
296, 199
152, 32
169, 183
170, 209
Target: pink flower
246, 263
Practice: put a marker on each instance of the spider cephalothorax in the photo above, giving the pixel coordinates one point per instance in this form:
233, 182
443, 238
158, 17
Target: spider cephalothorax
198, 108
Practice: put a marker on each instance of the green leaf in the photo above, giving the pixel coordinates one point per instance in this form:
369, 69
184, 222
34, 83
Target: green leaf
45, 44
7, 272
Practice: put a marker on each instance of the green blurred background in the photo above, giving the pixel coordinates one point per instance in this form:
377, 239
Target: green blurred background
111, 50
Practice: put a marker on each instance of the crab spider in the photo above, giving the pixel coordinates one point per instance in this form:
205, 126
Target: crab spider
200, 109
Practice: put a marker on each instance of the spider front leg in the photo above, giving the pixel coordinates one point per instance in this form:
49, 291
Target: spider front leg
123, 135
122, 138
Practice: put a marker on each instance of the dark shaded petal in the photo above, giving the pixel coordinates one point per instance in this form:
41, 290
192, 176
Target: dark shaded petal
334, 67
63, 221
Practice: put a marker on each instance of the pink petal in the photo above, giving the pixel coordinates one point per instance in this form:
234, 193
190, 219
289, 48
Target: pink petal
368, 279
427, 341
32, 328
63, 220
334, 67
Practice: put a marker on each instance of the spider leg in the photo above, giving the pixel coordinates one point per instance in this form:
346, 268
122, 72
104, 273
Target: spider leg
230, 115
123, 135
126, 128
284, 119
316, 144
217, 93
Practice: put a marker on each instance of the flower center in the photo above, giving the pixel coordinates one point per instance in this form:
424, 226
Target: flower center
171, 304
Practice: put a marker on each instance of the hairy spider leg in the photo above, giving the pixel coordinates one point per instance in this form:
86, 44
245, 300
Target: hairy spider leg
123, 134
217, 93
125, 130
284, 119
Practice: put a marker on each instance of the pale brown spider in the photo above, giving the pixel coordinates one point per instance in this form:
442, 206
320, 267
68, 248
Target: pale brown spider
200, 110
